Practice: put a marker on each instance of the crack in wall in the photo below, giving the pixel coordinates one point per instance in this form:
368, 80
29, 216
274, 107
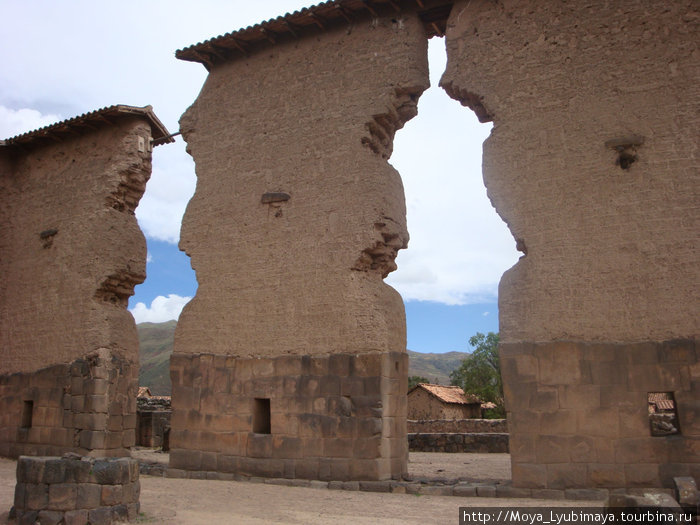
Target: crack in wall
119, 286
131, 188
380, 257
383, 126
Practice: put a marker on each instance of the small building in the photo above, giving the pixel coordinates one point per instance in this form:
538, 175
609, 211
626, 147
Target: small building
426, 401
153, 419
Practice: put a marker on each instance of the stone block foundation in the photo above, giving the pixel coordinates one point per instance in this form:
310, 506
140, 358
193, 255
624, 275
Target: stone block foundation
327, 417
579, 413
77, 491
87, 406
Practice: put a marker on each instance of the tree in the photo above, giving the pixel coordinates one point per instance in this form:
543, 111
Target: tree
480, 372
414, 380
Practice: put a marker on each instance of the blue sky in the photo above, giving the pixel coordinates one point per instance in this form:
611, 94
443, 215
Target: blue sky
459, 246
431, 326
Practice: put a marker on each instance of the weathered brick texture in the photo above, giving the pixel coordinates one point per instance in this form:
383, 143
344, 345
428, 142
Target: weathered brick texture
602, 309
71, 252
612, 254
71, 248
296, 219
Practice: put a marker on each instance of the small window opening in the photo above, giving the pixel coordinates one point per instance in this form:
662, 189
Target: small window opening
27, 411
663, 414
261, 416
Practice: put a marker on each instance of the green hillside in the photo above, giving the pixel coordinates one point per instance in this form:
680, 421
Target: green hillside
156, 341
156, 345
435, 368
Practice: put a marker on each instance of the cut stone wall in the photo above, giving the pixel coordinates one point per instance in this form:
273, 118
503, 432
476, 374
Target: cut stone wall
71, 252
302, 275
492, 442
76, 491
337, 417
152, 427
579, 413
592, 163
296, 220
87, 406
458, 426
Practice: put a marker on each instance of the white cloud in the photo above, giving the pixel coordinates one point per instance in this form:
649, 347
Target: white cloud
168, 191
161, 309
459, 246
17, 121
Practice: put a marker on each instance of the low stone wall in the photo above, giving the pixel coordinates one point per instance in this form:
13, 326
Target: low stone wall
457, 426
76, 491
446, 442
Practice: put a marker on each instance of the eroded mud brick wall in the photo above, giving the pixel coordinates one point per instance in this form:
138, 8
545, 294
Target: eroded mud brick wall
603, 309
296, 219
71, 252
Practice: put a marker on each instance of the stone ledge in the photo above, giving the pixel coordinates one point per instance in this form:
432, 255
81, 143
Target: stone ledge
418, 487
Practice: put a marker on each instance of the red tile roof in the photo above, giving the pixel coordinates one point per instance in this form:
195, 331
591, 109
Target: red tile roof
656, 396
144, 391
665, 404
448, 394
88, 122
311, 20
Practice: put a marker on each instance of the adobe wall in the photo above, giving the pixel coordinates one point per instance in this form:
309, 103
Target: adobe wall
70, 254
296, 219
603, 307
423, 405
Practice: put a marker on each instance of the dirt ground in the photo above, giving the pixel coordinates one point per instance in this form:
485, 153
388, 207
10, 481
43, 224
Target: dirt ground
195, 502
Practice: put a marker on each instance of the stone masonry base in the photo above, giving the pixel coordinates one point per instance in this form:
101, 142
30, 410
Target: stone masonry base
329, 417
87, 406
76, 491
579, 413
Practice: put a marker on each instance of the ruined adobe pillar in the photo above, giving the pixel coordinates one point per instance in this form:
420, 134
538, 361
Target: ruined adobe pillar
593, 164
71, 253
290, 361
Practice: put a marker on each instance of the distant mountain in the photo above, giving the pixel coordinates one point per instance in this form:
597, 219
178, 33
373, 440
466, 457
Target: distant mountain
435, 368
156, 340
156, 345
